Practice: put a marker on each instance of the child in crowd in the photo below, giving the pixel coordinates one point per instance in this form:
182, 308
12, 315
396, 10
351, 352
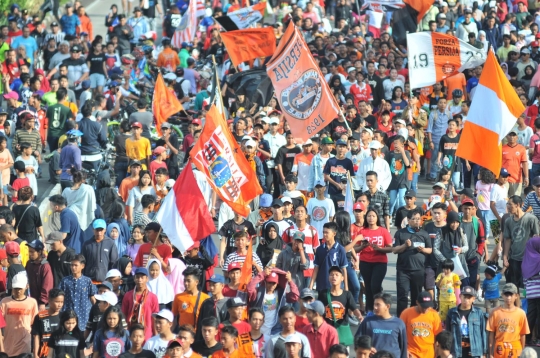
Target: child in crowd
67, 340
46, 322
112, 330
159, 285
31, 165
160, 154
114, 277
229, 336
448, 283
291, 181
136, 336
21, 181
13, 251
490, 287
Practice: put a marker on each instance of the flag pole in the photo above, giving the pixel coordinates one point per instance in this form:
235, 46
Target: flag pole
218, 84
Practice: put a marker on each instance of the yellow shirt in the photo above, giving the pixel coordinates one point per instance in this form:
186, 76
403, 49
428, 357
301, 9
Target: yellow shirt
448, 286
138, 150
72, 106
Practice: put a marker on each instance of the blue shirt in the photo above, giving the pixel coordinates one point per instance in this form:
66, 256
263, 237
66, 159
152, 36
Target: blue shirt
69, 223
78, 293
472, 83
491, 287
326, 258
29, 44
69, 24
386, 334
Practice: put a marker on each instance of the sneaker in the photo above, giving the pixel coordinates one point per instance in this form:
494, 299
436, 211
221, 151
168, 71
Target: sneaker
353, 321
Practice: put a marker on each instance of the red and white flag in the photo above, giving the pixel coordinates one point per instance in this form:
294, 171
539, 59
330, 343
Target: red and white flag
185, 32
201, 10
184, 215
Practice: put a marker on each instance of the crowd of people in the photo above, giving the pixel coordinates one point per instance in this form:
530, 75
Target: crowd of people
101, 278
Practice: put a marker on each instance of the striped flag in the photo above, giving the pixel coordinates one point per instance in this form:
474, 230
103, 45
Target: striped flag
493, 113
201, 10
243, 18
185, 32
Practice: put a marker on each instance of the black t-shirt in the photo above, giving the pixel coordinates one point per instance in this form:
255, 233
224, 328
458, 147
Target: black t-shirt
60, 265
433, 232
337, 169
411, 259
12, 271
371, 121
44, 325
120, 145
464, 327
27, 221
285, 157
401, 214
93, 319
66, 345
172, 159
341, 304
96, 63
338, 127
230, 228
201, 348
143, 354
448, 147
398, 170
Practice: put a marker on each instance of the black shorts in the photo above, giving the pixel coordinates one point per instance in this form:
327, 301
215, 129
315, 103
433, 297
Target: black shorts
429, 278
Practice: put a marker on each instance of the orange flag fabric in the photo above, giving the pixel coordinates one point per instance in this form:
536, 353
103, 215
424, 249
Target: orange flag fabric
165, 103
245, 45
219, 157
302, 92
247, 269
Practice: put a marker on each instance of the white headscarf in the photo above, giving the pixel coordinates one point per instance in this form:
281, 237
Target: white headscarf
160, 286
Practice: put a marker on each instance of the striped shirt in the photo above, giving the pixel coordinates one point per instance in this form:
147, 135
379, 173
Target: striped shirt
59, 37
532, 201
532, 286
23, 136
235, 257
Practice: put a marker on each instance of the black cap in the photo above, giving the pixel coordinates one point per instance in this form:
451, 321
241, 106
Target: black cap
410, 194
136, 163
468, 290
153, 226
54, 24
76, 48
425, 300
235, 302
277, 202
467, 192
335, 268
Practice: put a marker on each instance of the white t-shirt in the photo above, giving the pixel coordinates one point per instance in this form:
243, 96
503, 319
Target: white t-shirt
157, 346
320, 212
499, 194
270, 306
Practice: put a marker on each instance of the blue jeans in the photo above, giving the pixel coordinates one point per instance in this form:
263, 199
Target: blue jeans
397, 199
456, 175
434, 154
535, 170
414, 183
483, 216
354, 284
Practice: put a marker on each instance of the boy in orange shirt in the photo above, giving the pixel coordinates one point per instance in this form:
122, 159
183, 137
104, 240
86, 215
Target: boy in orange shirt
229, 336
187, 305
423, 324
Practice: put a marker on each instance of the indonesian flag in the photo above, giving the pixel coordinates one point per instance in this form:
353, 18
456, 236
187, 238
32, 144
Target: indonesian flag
494, 111
437, 56
243, 18
184, 215
185, 32
201, 10
219, 157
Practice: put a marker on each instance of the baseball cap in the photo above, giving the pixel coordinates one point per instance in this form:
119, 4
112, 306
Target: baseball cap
528, 352
53, 237
367, 130
293, 338
109, 297
166, 125
307, 142
504, 173
335, 268
468, 10
286, 199
135, 162
169, 183
265, 201
375, 144
136, 125
327, 140
442, 16
53, 24
509, 287
306, 292
320, 183
113, 273
535, 44
272, 278
141, 271
359, 206
234, 266
467, 192
235, 302
12, 248
251, 143
265, 119
525, 50
217, 279
439, 185
513, 130
467, 201
434, 199
12, 95
277, 202
76, 48
299, 235
105, 284
165, 313
492, 270
115, 84
195, 245
425, 300
468, 290
99, 224
137, 8
196, 121
341, 142
173, 343
85, 84
410, 194
20, 280
274, 120
36, 245
159, 149
316, 306
3, 111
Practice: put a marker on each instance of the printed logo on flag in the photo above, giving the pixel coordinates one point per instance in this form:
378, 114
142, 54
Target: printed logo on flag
218, 156
303, 96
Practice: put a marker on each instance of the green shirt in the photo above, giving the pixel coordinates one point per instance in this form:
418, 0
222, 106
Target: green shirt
50, 98
199, 99
58, 115
520, 18
183, 56
3, 50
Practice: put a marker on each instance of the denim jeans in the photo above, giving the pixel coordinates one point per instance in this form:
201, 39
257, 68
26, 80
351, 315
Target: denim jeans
414, 183
535, 171
354, 284
434, 164
456, 178
397, 199
120, 170
483, 216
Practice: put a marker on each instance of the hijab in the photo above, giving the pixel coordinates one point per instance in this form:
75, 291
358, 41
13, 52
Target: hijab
128, 283
113, 226
530, 266
526, 76
484, 41
160, 286
453, 237
505, 70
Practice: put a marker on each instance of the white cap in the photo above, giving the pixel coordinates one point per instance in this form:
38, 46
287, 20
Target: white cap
262, 114
251, 143
165, 313
350, 69
293, 338
367, 130
401, 121
113, 273
266, 119
109, 297
434, 199
307, 142
404, 133
20, 280
286, 199
170, 76
374, 144
246, 137
444, 4
274, 120
169, 183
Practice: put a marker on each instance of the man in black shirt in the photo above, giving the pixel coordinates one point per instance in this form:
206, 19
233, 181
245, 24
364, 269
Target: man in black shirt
433, 228
336, 169
226, 232
412, 244
376, 84
59, 257
169, 140
208, 345
447, 151
285, 157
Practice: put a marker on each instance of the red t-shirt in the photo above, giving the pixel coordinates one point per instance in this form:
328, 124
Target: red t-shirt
144, 251
151, 305
229, 292
17, 184
382, 238
301, 322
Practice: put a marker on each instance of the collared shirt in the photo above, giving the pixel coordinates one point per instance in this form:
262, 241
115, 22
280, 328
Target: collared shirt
438, 124
379, 201
322, 339
78, 292
324, 259
275, 141
378, 165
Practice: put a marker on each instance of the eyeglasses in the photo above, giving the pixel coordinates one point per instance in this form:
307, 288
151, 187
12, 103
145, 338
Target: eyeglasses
508, 294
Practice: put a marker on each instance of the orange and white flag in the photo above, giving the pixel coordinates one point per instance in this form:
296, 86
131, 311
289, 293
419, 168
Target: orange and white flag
303, 94
436, 56
493, 113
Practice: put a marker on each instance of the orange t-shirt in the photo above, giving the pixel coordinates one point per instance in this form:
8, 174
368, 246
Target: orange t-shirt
221, 354
508, 325
421, 331
425, 92
512, 157
125, 186
454, 82
169, 59
184, 306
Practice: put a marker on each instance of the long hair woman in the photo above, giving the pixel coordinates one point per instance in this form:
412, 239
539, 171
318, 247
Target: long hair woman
343, 237
81, 199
